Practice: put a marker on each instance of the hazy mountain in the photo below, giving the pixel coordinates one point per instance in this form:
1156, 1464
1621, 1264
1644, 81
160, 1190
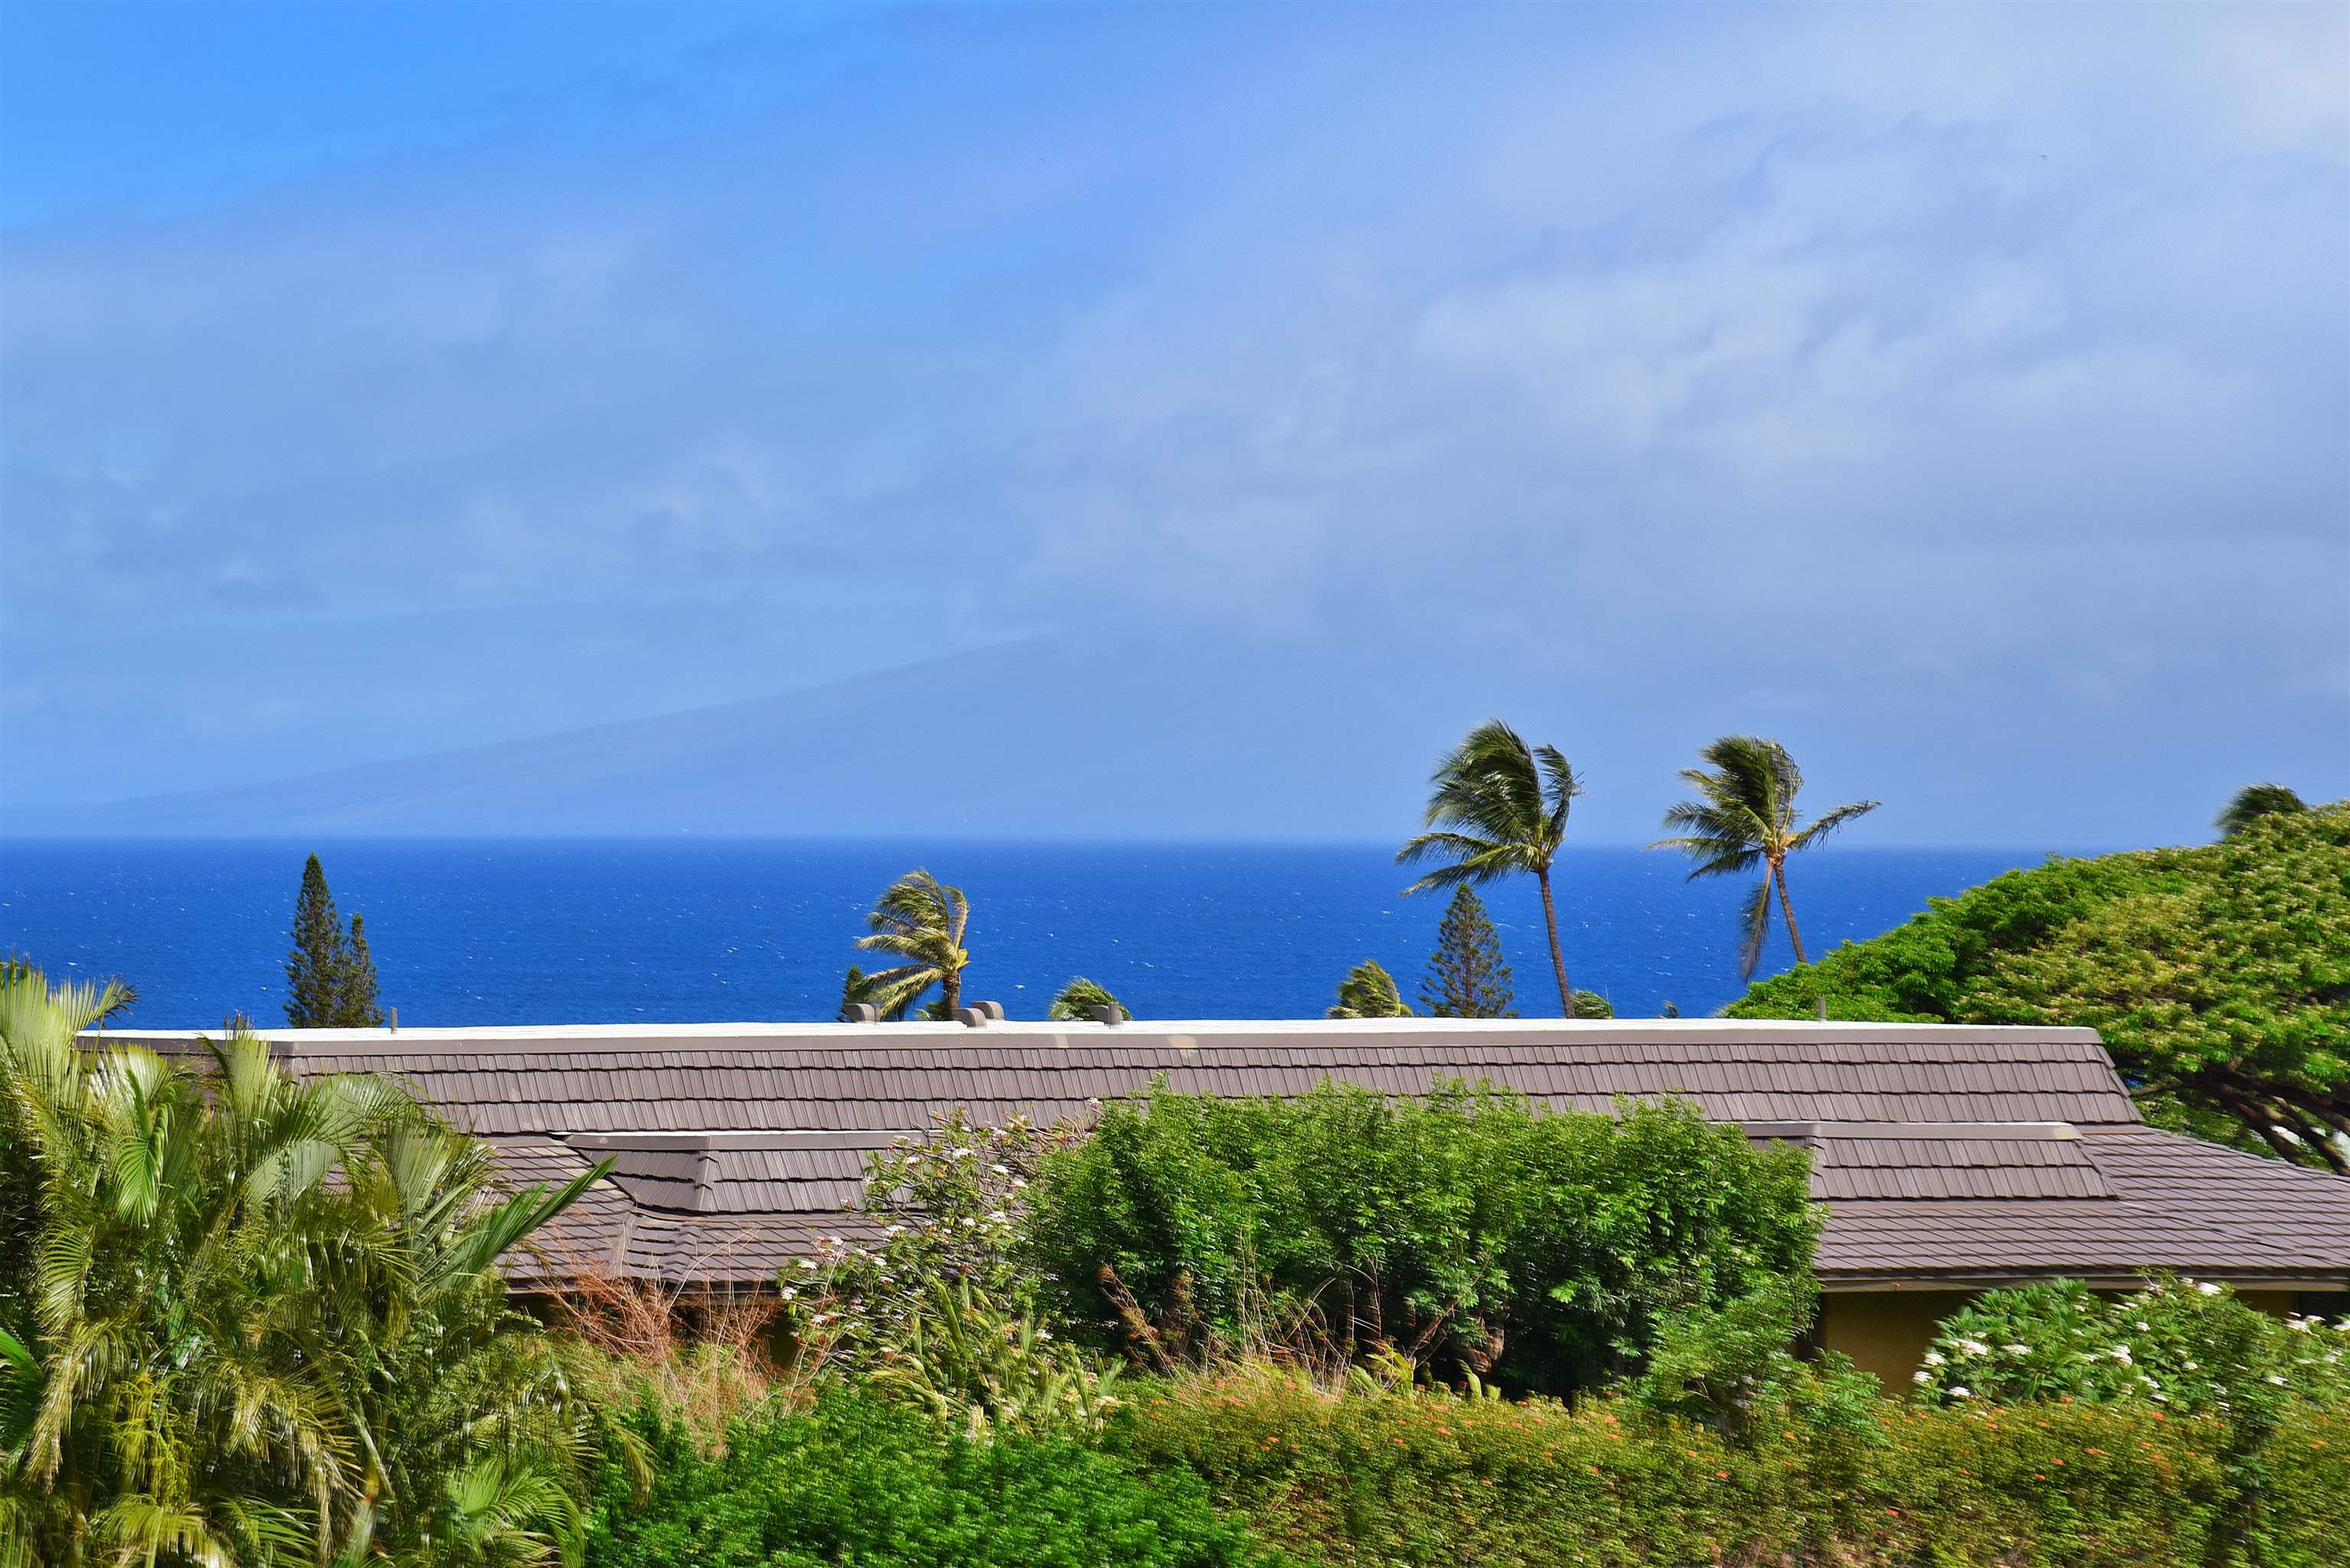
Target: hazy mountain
1041, 738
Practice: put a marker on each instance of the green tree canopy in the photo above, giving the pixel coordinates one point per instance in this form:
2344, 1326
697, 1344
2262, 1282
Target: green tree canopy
2219, 976
1467, 976
1369, 991
330, 975
1497, 808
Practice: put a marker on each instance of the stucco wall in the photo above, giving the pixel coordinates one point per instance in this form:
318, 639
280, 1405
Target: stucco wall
1886, 1332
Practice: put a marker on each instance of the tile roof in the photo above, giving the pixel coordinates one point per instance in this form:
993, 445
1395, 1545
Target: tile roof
1943, 1153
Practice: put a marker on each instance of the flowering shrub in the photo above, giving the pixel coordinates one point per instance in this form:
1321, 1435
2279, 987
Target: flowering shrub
2184, 1344
933, 1304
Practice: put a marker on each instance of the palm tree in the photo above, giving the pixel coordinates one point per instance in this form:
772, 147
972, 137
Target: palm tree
256, 1318
921, 920
1076, 1001
1498, 809
1746, 816
2254, 802
1369, 991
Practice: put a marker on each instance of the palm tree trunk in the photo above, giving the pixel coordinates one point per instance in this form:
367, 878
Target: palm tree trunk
950, 985
1787, 910
1558, 957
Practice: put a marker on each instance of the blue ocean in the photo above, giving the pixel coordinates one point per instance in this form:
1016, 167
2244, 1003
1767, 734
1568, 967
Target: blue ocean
615, 931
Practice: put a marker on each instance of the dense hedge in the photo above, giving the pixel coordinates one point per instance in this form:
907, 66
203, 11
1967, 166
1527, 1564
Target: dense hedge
856, 1480
1469, 1228
1429, 1479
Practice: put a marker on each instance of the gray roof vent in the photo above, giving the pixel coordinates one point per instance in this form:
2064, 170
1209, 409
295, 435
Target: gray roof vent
980, 1014
1106, 1013
860, 1013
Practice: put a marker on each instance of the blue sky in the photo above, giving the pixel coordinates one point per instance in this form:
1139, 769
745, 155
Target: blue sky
1962, 393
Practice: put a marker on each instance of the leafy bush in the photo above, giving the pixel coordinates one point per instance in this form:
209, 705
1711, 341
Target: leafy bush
2179, 1345
1422, 1478
1728, 1368
858, 1480
2219, 976
940, 1310
2186, 1346
1467, 1230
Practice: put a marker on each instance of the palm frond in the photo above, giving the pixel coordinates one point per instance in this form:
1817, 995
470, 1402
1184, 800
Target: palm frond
1829, 822
1753, 926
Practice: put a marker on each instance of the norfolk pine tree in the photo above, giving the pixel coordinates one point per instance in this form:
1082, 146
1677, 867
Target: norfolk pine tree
329, 977
1466, 975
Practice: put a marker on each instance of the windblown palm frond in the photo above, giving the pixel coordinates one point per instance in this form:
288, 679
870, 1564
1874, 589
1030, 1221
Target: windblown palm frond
1744, 816
921, 920
1076, 1000
1369, 991
1497, 807
2253, 801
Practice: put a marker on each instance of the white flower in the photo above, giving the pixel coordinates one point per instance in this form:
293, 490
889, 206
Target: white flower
808, 1263
1001, 1170
2207, 1288
1933, 1358
2144, 1326
2017, 1349
1961, 1394
1974, 1348
1921, 1376
2120, 1352
2272, 1377
1043, 1333
2193, 1368
791, 1293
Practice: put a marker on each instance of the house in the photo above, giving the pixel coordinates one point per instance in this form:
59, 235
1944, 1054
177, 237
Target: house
1948, 1158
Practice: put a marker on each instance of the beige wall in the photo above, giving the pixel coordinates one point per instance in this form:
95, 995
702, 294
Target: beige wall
1886, 1332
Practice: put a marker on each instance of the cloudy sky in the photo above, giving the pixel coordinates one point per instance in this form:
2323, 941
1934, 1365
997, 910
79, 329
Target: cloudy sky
1959, 392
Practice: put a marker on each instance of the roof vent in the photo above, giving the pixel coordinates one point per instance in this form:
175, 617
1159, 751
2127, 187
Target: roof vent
1106, 1013
980, 1014
860, 1013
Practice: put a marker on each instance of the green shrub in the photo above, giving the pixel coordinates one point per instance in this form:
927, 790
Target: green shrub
1467, 1230
856, 1480
941, 1311
1729, 1367
1421, 1479
2186, 1346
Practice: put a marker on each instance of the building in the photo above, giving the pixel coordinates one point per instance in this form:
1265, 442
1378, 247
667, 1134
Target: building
1949, 1157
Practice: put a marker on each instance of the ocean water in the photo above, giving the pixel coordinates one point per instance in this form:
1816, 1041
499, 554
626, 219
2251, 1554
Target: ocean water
531, 931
